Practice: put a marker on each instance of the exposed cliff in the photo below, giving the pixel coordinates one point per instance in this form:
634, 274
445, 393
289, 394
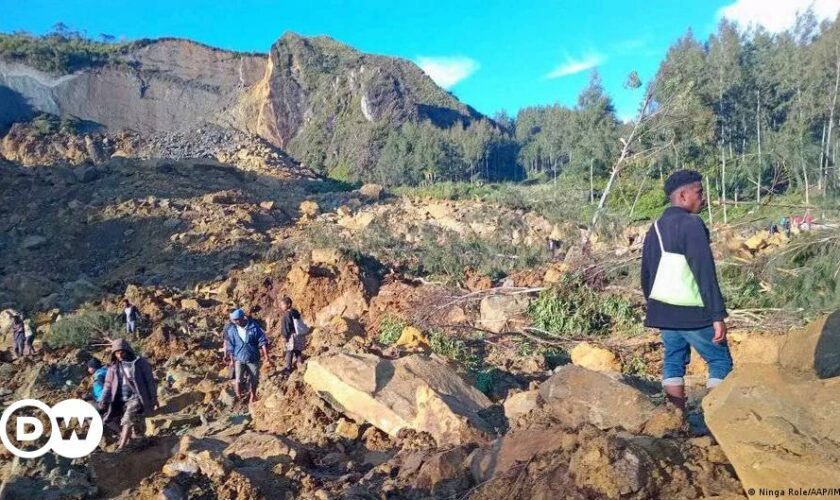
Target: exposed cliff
332, 107
157, 86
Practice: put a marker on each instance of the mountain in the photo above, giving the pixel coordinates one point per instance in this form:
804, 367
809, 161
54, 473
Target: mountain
329, 105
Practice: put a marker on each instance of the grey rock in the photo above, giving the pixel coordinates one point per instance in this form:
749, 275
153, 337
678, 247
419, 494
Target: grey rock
33, 242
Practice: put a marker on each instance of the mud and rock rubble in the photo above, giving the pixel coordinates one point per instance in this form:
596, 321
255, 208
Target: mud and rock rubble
25, 146
573, 432
149, 222
299, 443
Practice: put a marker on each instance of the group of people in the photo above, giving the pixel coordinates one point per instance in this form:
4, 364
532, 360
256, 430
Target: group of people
125, 390
679, 281
799, 222
245, 344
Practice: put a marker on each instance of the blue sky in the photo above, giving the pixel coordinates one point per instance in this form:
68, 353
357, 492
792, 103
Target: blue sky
492, 54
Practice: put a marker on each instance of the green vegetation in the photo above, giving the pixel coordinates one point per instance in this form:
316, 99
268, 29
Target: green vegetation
418, 153
82, 328
46, 124
803, 275
62, 51
564, 201
573, 308
483, 375
437, 254
390, 329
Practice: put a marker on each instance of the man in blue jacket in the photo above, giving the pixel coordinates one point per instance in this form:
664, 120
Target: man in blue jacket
244, 339
680, 231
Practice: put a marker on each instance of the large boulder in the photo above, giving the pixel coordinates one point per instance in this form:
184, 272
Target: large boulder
595, 358
814, 350
521, 404
777, 423
500, 312
6, 318
415, 392
577, 396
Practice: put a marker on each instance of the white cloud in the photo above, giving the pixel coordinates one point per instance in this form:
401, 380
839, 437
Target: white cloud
447, 71
776, 15
571, 66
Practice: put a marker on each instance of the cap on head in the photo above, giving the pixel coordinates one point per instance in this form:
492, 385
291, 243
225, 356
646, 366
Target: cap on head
237, 315
681, 178
94, 364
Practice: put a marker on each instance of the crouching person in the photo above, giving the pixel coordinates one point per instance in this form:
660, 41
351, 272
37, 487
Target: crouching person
244, 340
129, 392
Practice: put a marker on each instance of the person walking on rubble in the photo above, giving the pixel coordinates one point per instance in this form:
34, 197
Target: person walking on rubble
244, 340
680, 284
294, 330
18, 336
129, 393
132, 316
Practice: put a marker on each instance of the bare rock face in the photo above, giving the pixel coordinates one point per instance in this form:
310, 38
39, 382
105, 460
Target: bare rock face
614, 467
309, 82
520, 404
777, 423
321, 100
577, 396
139, 95
415, 392
517, 447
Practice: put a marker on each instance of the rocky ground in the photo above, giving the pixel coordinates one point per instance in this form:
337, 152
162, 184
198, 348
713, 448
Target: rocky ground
409, 416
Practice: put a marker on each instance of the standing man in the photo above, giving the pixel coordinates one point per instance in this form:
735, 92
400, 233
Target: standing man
18, 336
132, 315
129, 392
294, 330
680, 283
244, 339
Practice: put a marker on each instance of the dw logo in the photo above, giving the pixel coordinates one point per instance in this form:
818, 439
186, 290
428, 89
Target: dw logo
76, 419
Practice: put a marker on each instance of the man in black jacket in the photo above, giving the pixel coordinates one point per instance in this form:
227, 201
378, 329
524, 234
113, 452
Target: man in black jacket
295, 340
680, 231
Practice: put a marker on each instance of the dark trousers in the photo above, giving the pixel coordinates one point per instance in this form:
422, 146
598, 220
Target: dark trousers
291, 356
19, 344
30, 344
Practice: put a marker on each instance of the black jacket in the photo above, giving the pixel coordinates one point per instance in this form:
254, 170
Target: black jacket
287, 324
683, 233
